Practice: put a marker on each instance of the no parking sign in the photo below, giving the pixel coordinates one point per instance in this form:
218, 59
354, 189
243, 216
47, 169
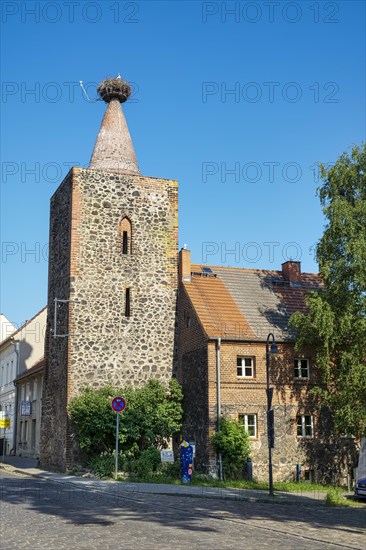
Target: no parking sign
118, 405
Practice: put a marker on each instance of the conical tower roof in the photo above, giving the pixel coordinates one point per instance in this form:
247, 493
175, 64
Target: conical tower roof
113, 150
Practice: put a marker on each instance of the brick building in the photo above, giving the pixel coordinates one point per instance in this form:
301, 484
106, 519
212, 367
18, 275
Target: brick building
225, 317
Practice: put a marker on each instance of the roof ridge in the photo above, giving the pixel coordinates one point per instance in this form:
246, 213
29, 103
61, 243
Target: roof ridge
250, 269
22, 326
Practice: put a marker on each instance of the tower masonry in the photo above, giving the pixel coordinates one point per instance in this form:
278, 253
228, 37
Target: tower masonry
112, 291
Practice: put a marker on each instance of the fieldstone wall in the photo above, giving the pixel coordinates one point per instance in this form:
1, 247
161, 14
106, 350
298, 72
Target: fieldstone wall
54, 422
105, 345
287, 452
323, 458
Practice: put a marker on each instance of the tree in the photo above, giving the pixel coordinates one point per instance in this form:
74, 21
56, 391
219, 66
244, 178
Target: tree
232, 441
335, 326
153, 414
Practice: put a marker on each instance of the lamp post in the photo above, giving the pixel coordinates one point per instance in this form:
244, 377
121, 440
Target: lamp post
271, 347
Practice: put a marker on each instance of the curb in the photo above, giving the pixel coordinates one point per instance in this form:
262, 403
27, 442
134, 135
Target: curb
195, 491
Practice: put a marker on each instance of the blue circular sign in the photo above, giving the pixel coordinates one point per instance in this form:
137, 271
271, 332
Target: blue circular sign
118, 404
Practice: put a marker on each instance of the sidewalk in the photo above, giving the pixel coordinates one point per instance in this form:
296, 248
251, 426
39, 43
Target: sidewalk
20, 462
119, 489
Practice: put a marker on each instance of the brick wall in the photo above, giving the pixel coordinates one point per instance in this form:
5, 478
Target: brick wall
291, 398
192, 373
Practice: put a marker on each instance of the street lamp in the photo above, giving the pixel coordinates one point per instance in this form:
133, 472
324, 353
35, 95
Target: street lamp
271, 347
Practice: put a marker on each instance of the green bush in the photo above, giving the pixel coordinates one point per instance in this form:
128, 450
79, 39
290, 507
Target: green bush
170, 469
94, 420
103, 465
153, 414
147, 463
232, 441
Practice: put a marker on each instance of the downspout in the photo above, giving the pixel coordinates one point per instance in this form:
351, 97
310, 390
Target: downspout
218, 399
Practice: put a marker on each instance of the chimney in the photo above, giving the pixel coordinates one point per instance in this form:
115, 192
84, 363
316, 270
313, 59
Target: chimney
291, 271
184, 269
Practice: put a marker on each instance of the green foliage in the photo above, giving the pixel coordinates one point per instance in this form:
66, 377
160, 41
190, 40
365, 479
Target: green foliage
170, 469
232, 441
335, 326
153, 414
149, 461
103, 465
94, 420
336, 497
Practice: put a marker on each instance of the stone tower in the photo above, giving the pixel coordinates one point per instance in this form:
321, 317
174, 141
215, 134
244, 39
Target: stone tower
112, 287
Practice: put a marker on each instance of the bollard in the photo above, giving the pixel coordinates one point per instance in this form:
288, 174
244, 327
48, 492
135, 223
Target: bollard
298, 472
250, 469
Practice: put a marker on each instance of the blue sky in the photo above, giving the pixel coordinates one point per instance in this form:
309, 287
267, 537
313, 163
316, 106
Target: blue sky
236, 100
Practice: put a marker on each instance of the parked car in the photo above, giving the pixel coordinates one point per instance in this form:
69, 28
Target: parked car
360, 488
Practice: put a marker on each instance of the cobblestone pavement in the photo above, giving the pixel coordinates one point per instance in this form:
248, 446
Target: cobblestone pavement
43, 514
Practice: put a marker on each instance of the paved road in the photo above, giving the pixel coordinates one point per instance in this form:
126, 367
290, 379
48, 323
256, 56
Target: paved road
43, 514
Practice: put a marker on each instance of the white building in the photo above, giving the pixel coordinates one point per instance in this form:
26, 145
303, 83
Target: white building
29, 390
6, 328
19, 351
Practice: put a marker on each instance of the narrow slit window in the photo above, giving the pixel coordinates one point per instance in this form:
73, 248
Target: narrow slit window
128, 302
125, 242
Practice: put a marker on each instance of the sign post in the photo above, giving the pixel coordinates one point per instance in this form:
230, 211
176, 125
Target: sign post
4, 423
118, 405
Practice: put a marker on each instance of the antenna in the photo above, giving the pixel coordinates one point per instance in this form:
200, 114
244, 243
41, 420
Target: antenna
86, 95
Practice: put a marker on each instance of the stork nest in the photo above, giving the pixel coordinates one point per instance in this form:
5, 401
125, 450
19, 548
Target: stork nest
114, 88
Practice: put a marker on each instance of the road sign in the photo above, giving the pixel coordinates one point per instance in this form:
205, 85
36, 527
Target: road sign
25, 408
269, 392
270, 424
4, 420
118, 404
167, 456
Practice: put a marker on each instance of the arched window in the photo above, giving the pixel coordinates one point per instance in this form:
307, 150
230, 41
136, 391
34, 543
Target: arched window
125, 231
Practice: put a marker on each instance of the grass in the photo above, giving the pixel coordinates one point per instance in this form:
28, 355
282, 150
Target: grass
334, 495
199, 480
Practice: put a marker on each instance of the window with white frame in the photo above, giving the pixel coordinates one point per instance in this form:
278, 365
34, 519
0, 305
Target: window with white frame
245, 367
301, 367
250, 423
305, 425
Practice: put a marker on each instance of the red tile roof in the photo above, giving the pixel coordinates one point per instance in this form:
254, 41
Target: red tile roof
216, 308
247, 303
